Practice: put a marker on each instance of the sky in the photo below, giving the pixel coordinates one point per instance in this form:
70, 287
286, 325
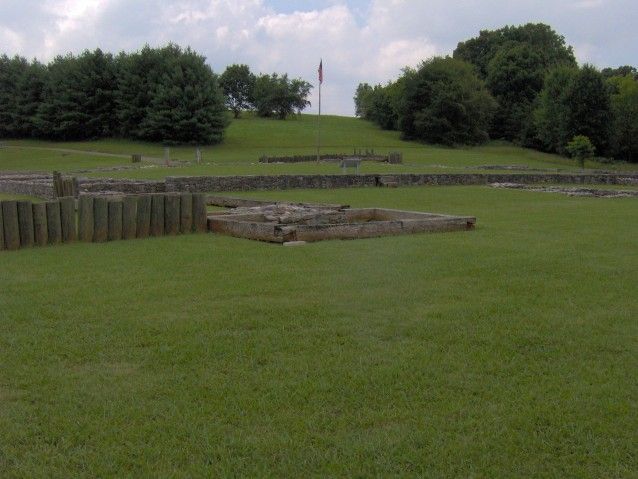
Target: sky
358, 40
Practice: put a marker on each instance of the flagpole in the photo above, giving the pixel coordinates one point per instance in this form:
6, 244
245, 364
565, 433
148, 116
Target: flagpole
318, 124
319, 115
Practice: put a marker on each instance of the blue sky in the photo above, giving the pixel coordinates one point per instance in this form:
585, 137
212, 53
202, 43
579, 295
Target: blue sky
359, 40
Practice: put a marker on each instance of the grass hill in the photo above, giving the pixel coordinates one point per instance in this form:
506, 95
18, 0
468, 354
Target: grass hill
250, 137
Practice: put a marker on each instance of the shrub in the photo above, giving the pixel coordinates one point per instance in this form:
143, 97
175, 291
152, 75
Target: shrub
580, 148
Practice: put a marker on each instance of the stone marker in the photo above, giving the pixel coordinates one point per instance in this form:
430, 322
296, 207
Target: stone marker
25, 221
157, 215
115, 220
54, 225
129, 217
11, 225
199, 213
85, 218
100, 219
67, 218
171, 213
40, 233
186, 213
143, 216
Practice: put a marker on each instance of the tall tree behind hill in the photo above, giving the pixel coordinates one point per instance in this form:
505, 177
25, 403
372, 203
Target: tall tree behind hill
445, 102
78, 100
624, 104
514, 60
238, 84
11, 70
574, 102
170, 95
30, 87
277, 96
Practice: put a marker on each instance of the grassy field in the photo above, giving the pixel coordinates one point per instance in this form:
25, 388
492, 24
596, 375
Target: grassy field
249, 138
508, 351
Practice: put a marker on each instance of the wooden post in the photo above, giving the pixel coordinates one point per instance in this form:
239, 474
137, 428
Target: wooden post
186, 213
40, 233
25, 221
85, 218
143, 216
129, 217
67, 187
115, 220
67, 217
171, 214
11, 225
200, 219
157, 214
76, 187
1, 230
54, 224
136, 158
100, 219
57, 184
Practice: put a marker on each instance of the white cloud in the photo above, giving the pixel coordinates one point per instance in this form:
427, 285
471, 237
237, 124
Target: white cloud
358, 40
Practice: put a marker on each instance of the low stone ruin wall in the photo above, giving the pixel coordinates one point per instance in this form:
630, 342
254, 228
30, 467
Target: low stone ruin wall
394, 158
283, 182
40, 186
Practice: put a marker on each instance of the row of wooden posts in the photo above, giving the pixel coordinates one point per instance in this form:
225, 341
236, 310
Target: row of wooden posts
24, 224
65, 186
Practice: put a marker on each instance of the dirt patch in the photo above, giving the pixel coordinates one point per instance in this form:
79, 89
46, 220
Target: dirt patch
570, 191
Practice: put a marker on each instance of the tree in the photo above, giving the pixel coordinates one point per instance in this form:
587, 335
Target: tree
362, 100
574, 102
625, 70
514, 61
30, 86
186, 104
581, 149
277, 96
624, 105
445, 102
238, 84
11, 70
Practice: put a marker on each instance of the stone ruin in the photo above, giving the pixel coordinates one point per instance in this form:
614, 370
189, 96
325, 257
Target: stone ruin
294, 223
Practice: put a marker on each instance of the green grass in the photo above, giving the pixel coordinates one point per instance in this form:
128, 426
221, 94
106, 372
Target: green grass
508, 351
249, 138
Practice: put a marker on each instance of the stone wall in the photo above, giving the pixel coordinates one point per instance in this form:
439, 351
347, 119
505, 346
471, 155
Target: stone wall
282, 182
40, 186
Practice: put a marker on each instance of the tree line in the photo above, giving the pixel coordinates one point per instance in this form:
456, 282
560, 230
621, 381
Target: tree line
518, 83
166, 94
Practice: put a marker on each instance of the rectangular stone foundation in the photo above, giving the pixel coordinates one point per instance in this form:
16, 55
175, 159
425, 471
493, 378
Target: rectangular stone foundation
359, 223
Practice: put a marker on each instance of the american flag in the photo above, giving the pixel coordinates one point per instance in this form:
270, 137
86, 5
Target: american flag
320, 71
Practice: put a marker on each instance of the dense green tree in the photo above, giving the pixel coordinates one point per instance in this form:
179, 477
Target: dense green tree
362, 99
11, 70
580, 148
277, 96
514, 61
238, 84
624, 104
30, 86
445, 102
574, 102
625, 70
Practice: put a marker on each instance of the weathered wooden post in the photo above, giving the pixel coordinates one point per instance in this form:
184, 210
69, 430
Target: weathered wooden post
115, 220
1, 230
186, 213
40, 233
199, 213
129, 217
85, 218
100, 219
57, 184
157, 214
143, 216
11, 225
25, 222
171, 213
67, 217
54, 223
198, 155
136, 158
